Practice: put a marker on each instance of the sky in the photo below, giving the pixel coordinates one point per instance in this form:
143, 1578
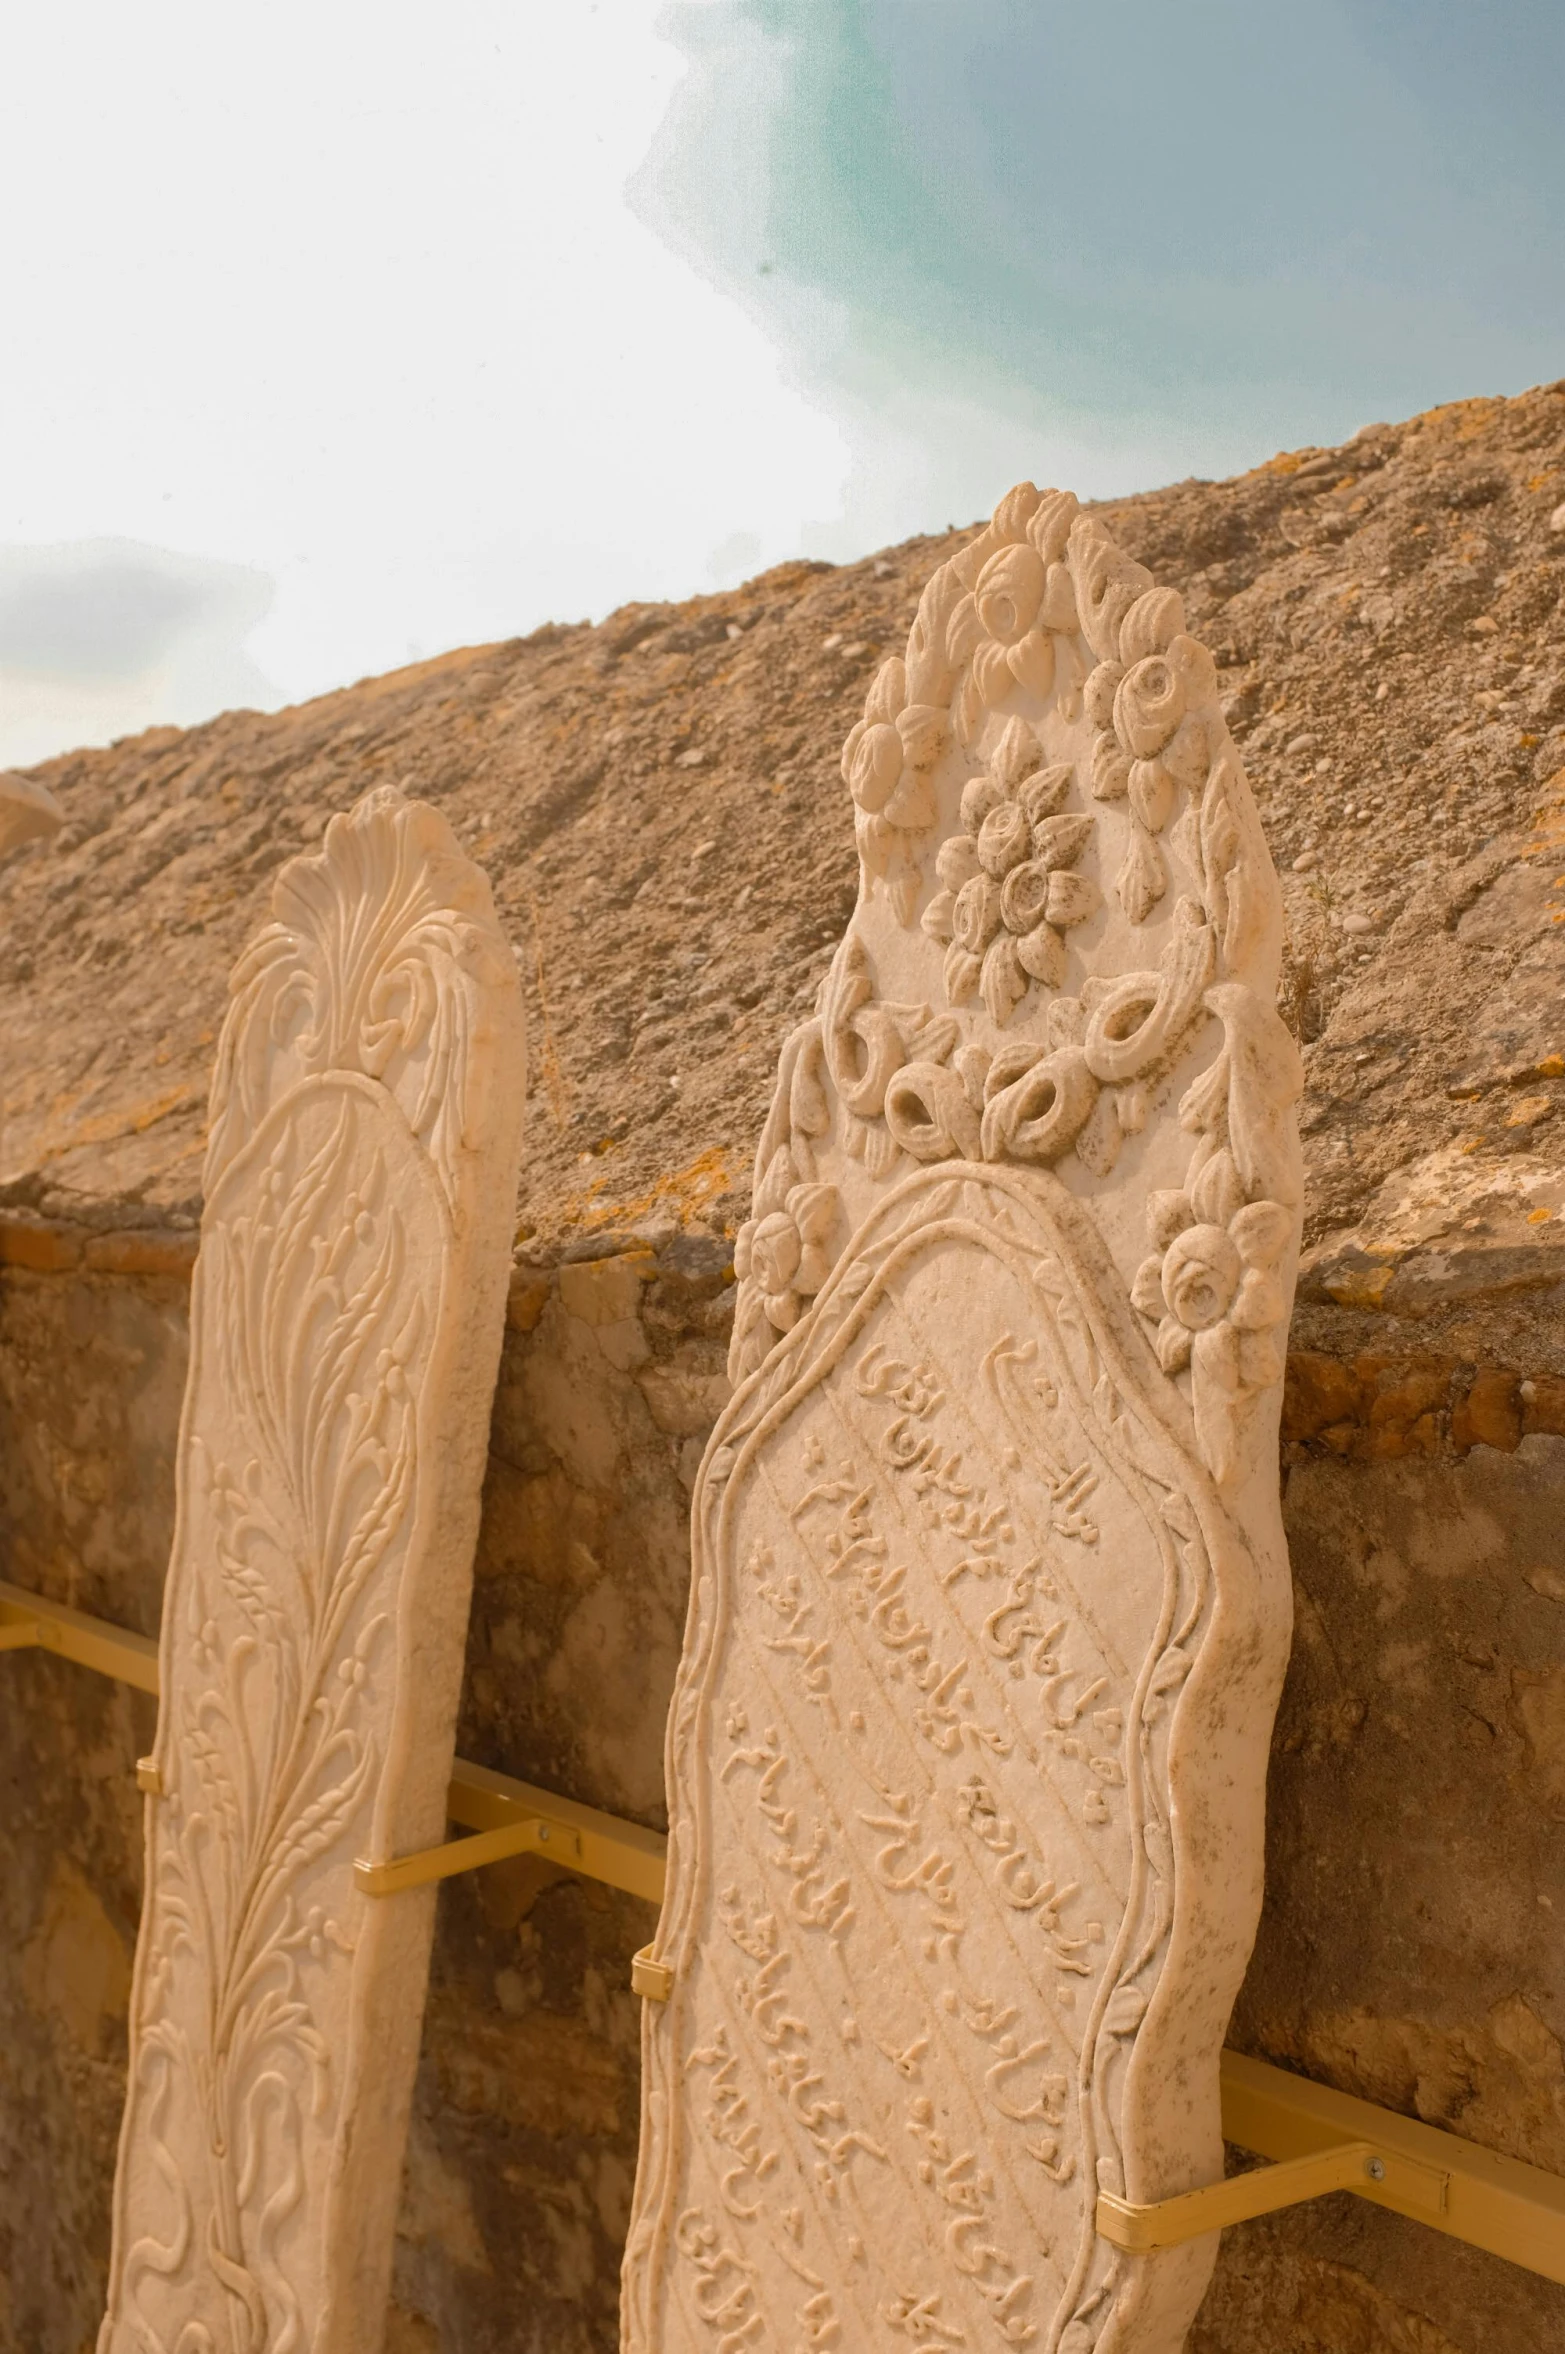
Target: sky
333, 335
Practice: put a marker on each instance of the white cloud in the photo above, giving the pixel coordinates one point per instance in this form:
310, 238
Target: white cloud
350, 296
100, 638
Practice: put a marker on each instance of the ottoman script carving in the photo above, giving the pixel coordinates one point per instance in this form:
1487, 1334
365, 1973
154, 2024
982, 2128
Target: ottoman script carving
345, 1326
990, 1604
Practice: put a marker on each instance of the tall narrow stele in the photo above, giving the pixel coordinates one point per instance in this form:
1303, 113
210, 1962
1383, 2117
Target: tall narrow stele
345, 1334
990, 1605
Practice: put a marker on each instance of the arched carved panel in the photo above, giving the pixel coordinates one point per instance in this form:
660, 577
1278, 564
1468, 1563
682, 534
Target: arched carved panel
346, 1320
990, 1604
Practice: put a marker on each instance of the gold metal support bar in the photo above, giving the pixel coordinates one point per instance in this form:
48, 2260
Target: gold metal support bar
1347, 2166
27, 1620
531, 1833
520, 1817
1512, 2210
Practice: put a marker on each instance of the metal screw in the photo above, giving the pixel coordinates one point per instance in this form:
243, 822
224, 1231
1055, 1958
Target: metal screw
1375, 2168
543, 1840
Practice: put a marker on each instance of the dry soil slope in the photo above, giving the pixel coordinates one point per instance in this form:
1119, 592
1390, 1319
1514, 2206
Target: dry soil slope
658, 802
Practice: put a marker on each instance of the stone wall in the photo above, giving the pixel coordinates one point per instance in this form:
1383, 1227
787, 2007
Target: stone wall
1410, 1949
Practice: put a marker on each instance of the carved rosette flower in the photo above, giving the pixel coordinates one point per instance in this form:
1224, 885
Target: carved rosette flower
1008, 893
1212, 1287
887, 764
785, 1252
1153, 704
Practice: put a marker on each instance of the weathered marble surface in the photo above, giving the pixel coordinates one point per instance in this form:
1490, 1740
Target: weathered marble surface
346, 1322
990, 1601
1416, 1711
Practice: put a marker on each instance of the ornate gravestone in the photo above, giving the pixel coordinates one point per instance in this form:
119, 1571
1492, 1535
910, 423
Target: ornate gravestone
345, 1333
991, 1604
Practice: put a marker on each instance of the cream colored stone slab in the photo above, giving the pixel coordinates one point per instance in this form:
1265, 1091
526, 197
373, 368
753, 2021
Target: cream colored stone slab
991, 1605
345, 1334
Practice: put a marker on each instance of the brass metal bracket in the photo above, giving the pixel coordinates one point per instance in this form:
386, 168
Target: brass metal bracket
513, 1818
529, 1834
654, 1981
1319, 2140
28, 1622
1323, 2141
1347, 2166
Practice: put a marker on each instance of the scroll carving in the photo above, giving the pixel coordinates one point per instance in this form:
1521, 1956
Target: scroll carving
990, 1604
360, 1182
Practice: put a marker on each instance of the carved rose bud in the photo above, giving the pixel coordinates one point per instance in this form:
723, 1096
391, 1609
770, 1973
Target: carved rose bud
1003, 980
1010, 518
1149, 706
1009, 592
956, 861
1049, 526
925, 734
888, 693
1004, 839
1060, 841
1032, 662
876, 766
965, 631
980, 794
975, 915
769, 1249
1201, 1271
1151, 625
786, 1254
1099, 692
1188, 756
962, 970
1108, 582
1040, 794
1058, 611
1015, 755
936, 918
1024, 896
930, 667
1041, 952
1110, 768
992, 671
1151, 794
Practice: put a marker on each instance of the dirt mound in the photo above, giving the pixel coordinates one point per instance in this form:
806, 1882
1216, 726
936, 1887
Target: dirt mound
659, 805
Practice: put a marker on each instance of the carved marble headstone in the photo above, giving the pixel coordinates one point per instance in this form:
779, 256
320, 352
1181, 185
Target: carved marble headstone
345, 1333
991, 1605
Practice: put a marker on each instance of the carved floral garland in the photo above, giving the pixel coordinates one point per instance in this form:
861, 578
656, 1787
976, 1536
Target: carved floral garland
1044, 605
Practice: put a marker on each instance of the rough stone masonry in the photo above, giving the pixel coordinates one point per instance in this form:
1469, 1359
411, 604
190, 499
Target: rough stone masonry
657, 801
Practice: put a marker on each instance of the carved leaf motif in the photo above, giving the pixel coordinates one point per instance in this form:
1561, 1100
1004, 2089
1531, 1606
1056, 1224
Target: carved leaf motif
395, 995
307, 1440
1143, 879
356, 1235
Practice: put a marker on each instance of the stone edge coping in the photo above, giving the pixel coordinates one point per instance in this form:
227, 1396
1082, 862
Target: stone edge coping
1366, 1406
